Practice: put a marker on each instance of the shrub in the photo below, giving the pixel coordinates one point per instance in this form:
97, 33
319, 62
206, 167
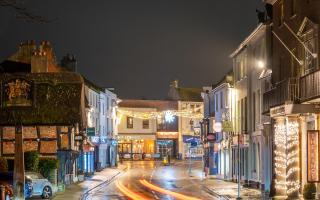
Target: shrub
309, 191
46, 165
3, 165
31, 161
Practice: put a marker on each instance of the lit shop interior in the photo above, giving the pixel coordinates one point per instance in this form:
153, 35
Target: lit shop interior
135, 148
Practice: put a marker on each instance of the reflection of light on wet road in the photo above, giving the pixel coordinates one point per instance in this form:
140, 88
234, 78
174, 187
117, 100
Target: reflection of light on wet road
168, 192
129, 193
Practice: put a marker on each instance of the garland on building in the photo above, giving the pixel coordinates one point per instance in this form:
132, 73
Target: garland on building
168, 114
287, 156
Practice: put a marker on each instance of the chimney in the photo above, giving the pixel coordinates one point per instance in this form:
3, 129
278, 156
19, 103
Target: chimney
69, 62
39, 62
174, 83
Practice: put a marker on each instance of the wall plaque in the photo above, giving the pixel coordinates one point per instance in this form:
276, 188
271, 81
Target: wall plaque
17, 93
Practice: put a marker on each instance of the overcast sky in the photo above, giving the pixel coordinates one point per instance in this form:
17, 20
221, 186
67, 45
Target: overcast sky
138, 46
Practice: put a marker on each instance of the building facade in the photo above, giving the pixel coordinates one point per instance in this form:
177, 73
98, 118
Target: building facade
48, 102
251, 61
292, 100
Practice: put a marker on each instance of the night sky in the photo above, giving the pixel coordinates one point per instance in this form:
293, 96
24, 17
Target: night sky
138, 46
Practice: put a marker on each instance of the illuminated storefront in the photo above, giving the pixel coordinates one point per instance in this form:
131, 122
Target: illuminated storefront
136, 147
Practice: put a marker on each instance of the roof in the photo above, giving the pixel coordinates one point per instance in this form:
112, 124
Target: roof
189, 94
246, 41
160, 105
228, 78
9, 66
56, 99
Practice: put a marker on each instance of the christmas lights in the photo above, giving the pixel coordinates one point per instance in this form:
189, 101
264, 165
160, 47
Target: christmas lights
286, 156
187, 113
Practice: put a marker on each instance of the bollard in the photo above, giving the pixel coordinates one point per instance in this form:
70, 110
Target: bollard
3, 192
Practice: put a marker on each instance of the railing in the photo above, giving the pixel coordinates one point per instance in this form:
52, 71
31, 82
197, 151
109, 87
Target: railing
310, 86
284, 91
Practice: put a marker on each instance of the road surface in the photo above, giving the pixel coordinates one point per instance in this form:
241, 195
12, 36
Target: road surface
151, 180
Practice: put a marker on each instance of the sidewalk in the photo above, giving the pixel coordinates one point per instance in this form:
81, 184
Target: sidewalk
75, 191
229, 190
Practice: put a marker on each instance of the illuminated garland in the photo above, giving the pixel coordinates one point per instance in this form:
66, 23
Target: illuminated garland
187, 113
286, 156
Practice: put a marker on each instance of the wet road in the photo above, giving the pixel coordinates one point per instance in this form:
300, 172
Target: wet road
151, 180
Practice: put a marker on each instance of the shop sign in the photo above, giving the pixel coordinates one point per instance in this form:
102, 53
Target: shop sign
190, 139
211, 137
17, 93
217, 127
78, 138
313, 155
227, 126
169, 135
91, 131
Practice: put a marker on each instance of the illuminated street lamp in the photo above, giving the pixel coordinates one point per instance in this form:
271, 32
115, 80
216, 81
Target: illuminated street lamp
260, 64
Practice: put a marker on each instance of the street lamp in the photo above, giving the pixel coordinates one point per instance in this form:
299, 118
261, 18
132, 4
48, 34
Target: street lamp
260, 64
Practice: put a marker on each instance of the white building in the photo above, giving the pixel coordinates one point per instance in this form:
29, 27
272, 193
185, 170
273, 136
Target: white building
136, 135
250, 62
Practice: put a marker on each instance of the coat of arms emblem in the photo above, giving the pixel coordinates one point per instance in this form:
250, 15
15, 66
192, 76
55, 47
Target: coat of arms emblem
17, 92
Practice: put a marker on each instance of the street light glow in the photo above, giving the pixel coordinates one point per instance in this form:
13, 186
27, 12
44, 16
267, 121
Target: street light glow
260, 64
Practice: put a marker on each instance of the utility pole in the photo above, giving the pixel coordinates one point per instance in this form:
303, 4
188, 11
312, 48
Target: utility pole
239, 174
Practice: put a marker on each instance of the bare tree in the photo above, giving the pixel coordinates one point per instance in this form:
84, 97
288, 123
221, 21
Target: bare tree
22, 12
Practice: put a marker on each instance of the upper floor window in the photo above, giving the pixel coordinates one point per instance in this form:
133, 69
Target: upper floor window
129, 122
311, 44
145, 124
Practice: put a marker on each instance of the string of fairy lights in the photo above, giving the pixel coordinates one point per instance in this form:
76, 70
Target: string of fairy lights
167, 114
287, 156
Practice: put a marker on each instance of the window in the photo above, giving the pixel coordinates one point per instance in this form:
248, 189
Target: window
129, 122
145, 124
281, 16
310, 61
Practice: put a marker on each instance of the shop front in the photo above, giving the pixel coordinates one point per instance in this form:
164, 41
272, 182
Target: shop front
192, 147
167, 144
86, 159
136, 147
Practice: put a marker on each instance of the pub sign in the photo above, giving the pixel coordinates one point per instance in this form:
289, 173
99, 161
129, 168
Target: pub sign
313, 155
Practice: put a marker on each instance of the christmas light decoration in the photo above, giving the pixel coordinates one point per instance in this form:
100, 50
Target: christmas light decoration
195, 113
287, 156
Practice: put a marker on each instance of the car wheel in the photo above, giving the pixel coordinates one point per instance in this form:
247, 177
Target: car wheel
47, 192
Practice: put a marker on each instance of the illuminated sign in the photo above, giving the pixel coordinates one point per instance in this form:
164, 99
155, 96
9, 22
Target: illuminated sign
227, 126
171, 135
313, 155
217, 127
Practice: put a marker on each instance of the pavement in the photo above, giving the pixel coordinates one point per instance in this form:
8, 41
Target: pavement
78, 190
229, 190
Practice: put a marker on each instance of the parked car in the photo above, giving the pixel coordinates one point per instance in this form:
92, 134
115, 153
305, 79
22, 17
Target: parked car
6, 179
41, 186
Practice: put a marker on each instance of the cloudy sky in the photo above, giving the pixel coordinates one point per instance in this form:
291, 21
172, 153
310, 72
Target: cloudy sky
138, 46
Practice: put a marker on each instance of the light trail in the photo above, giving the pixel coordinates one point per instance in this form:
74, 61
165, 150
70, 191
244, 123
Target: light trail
129, 193
168, 192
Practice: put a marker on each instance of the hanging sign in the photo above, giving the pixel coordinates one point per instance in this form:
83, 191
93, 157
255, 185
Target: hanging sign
227, 126
313, 155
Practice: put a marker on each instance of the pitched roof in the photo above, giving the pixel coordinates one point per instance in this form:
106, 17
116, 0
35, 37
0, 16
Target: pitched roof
189, 94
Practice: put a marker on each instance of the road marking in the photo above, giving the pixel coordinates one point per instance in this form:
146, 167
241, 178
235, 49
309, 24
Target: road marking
168, 192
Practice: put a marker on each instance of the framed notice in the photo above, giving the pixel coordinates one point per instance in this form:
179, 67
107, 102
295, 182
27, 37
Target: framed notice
313, 155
